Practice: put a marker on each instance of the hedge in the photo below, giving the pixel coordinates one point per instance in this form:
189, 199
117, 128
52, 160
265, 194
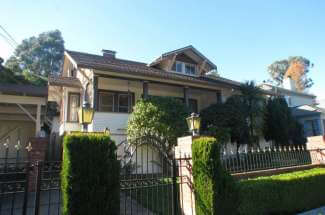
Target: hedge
216, 192
283, 194
90, 175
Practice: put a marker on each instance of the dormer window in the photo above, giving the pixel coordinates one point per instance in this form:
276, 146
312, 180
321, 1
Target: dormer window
190, 69
185, 68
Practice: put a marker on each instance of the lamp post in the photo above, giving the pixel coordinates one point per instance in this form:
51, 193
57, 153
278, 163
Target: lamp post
86, 114
194, 123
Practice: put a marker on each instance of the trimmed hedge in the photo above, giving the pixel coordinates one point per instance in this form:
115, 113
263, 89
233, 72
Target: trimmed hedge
90, 175
283, 194
216, 191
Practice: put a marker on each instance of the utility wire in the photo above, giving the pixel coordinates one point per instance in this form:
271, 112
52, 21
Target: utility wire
11, 38
8, 41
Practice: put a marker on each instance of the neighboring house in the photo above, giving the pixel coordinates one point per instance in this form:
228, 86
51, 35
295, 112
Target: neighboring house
113, 86
22, 113
312, 118
304, 107
289, 92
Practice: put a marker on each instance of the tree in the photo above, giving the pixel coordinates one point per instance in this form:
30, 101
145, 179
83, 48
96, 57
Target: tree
280, 126
8, 77
39, 56
163, 118
238, 119
295, 67
252, 101
236, 116
214, 122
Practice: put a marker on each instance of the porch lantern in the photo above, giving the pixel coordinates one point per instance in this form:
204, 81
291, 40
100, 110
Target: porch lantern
194, 123
86, 114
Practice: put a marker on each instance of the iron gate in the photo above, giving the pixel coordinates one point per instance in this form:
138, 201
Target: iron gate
149, 183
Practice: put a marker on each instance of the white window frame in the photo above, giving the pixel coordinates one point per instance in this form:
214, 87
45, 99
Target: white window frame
183, 68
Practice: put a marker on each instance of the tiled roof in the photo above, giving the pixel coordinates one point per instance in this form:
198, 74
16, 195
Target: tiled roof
28, 90
64, 81
85, 60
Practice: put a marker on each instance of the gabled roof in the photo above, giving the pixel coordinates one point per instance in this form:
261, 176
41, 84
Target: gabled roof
28, 90
186, 50
99, 62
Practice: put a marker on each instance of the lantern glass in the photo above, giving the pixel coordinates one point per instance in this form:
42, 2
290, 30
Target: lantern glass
194, 122
86, 115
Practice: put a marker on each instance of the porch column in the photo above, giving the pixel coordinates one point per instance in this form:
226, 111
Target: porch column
95, 88
186, 96
145, 89
38, 120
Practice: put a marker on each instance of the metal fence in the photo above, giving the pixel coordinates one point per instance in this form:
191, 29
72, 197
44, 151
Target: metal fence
271, 158
27, 187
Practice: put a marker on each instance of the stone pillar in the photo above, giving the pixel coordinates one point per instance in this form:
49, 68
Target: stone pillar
183, 153
38, 151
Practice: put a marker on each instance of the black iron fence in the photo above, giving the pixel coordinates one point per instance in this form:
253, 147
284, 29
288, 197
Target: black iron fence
30, 188
27, 187
271, 158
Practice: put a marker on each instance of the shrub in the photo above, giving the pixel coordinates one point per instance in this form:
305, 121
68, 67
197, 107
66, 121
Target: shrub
216, 191
283, 194
90, 175
162, 118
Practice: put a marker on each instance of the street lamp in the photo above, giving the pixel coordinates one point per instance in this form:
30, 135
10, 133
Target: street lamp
86, 114
194, 123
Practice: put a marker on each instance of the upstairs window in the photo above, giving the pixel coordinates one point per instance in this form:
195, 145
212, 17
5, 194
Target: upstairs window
185, 68
190, 69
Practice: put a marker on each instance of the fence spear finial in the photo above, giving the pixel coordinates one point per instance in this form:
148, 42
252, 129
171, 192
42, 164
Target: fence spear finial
29, 147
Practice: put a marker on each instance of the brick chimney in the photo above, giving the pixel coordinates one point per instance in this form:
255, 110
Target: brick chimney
109, 53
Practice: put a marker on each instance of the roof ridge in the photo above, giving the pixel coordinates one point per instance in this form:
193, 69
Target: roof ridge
101, 56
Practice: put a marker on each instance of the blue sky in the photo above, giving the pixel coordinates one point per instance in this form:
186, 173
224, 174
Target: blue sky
241, 37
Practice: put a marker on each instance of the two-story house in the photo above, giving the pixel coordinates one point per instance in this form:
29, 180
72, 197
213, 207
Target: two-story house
113, 85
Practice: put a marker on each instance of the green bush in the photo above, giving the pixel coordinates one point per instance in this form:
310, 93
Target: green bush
90, 175
283, 194
216, 191
162, 118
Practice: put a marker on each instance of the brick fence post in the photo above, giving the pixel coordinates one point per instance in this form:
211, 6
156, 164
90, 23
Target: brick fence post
183, 153
37, 153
